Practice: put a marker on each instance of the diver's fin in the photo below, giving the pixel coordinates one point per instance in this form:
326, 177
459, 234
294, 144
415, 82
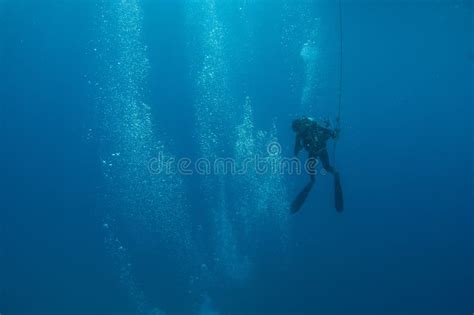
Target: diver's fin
338, 195
300, 199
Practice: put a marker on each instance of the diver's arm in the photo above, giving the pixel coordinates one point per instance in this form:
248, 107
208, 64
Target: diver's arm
333, 134
298, 145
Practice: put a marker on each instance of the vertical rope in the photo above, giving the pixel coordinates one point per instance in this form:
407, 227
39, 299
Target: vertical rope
338, 118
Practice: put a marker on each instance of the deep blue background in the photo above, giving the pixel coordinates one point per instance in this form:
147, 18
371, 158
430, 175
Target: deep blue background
405, 243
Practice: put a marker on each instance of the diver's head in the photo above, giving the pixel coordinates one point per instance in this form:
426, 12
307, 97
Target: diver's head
299, 125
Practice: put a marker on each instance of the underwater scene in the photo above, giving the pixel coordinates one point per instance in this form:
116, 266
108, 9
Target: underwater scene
236, 157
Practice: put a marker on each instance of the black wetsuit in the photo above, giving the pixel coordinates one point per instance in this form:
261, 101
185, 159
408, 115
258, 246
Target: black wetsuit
314, 139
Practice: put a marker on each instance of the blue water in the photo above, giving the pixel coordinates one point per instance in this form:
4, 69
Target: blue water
92, 91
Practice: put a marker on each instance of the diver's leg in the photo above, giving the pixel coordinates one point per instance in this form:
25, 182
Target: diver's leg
324, 158
301, 198
338, 195
311, 166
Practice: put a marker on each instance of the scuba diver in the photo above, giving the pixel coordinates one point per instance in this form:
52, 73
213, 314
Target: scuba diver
313, 137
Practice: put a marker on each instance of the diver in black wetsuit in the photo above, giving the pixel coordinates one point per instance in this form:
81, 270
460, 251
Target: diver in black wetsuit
313, 137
